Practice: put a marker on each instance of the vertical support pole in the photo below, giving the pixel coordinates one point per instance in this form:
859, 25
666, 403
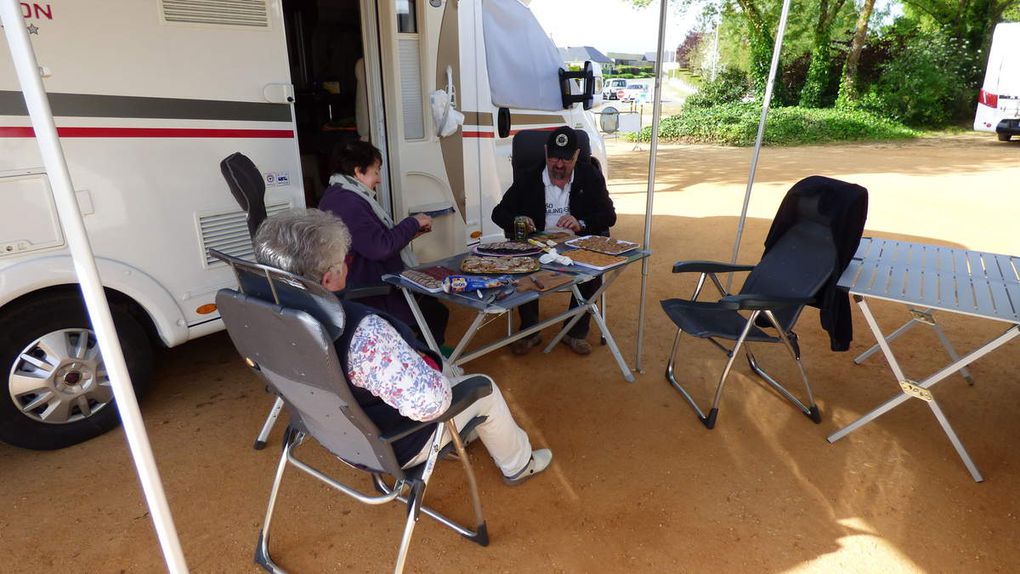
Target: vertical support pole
776, 50
88, 276
650, 193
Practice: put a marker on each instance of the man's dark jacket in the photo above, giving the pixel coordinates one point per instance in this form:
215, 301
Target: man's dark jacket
589, 201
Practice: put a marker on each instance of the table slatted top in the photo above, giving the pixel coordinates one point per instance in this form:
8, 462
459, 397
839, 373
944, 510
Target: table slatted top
958, 280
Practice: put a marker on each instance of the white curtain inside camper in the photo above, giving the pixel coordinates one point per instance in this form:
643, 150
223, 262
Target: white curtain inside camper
523, 62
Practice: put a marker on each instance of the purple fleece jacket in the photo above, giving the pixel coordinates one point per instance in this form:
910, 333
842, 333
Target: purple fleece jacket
375, 250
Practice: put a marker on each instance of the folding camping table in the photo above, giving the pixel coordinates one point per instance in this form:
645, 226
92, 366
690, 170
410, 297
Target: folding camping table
488, 308
928, 278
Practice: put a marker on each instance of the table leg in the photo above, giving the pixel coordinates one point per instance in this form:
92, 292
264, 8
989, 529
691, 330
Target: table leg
926, 316
450, 368
420, 319
951, 351
917, 389
960, 450
892, 337
589, 306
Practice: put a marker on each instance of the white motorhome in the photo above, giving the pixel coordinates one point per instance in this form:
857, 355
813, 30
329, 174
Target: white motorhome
150, 95
998, 108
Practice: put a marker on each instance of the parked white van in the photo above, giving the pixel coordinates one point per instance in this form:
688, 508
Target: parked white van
998, 108
611, 87
146, 110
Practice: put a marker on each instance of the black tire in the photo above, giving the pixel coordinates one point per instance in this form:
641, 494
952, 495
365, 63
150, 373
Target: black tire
1003, 137
56, 317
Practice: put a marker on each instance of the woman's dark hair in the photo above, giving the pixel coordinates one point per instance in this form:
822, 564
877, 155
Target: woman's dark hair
356, 154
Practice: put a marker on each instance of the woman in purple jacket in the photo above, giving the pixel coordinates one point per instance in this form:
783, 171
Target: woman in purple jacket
378, 245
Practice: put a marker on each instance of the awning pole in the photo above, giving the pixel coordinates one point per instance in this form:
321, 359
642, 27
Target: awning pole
88, 275
776, 50
650, 193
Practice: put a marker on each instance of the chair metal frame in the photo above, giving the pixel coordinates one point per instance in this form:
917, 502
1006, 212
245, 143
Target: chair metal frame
407, 490
758, 306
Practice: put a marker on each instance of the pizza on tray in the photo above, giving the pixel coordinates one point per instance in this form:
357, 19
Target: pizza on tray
498, 265
593, 259
507, 249
601, 244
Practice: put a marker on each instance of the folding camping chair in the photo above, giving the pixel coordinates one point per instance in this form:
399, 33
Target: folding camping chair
285, 326
246, 185
802, 261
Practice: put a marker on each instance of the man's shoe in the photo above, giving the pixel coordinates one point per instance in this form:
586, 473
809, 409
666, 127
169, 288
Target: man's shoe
540, 460
579, 346
522, 346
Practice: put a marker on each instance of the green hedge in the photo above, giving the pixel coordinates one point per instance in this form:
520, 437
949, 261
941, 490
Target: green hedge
737, 124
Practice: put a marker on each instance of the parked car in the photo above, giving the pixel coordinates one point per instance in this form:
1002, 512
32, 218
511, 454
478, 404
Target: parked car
611, 88
634, 93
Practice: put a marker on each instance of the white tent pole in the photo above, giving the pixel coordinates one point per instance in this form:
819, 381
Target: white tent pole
88, 276
761, 130
650, 193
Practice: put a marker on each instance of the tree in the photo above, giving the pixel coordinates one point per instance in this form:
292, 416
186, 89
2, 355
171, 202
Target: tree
969, 20
819, 73
759, 17
848, 86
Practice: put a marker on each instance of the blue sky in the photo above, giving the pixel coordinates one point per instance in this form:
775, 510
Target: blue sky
609, 25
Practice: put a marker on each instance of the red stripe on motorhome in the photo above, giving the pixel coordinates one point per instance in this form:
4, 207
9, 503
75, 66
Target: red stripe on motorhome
512, 132
27, 132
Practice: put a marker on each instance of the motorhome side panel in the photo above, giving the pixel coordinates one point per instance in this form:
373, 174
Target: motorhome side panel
487, 156
147, 102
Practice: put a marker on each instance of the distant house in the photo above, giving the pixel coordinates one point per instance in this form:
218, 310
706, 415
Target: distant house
578, 55
624, 59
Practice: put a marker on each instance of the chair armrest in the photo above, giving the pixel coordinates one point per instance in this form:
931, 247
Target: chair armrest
708, 267
355, 293
754, 302
465, 393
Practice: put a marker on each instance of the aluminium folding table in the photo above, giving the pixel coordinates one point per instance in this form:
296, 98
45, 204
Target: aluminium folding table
490, 307
931, 279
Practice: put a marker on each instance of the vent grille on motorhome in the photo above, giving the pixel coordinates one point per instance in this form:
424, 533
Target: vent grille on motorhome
224, 12
228, 232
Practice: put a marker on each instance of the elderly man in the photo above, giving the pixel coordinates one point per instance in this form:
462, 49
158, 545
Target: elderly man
391, 374
566, 194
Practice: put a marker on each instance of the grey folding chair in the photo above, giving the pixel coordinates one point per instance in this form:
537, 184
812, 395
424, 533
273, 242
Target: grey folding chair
802, 260
287, 338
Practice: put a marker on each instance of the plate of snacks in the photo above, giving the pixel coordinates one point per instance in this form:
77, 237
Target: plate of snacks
594, 259
498, 265
507, 249
601, 244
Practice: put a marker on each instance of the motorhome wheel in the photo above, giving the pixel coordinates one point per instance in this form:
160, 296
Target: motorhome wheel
58, 390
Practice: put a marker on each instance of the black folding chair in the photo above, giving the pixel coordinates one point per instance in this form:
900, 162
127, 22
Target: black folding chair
247, 186
285, 327
802, 259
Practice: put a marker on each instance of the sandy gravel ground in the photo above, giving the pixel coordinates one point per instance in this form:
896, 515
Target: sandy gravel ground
637, 484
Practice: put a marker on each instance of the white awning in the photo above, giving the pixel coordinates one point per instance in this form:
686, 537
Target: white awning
523, 62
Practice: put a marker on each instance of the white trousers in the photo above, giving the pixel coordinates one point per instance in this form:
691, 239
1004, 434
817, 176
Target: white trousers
507, 443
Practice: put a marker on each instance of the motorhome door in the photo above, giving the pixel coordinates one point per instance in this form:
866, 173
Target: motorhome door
419, 48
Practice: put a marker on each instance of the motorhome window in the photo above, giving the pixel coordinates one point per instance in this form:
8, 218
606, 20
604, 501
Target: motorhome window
409, 53
407, 16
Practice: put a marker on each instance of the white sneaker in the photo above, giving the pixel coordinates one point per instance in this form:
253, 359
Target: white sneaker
540, 460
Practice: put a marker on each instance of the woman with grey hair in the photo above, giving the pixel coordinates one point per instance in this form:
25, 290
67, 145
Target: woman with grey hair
392, 375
